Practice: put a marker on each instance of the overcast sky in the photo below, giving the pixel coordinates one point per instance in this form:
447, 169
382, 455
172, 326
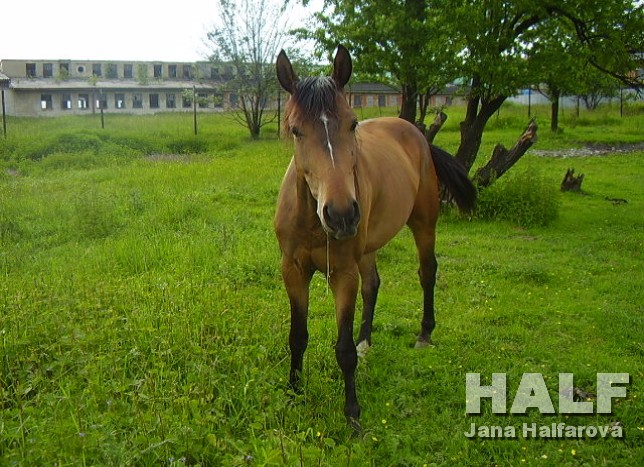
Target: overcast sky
108, 30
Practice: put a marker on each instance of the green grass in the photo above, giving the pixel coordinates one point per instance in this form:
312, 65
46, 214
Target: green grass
143, 319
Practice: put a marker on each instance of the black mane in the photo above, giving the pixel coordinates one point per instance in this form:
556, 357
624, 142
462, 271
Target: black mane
315, 96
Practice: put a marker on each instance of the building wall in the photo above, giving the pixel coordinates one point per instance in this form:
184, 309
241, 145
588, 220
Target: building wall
68, 87
51, 103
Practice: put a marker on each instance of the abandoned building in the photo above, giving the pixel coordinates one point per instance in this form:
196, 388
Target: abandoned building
51, 88
72, 87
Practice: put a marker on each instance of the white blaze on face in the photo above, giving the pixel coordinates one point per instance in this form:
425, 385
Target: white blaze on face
325, 122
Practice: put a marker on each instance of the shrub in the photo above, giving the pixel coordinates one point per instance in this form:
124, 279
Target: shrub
525, 198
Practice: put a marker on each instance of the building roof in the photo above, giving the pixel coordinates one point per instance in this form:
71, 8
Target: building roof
372, 88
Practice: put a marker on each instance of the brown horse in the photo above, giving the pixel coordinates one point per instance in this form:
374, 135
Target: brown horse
348, 190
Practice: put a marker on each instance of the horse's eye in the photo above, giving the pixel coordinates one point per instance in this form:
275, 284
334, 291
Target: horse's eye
296, 132
354, 125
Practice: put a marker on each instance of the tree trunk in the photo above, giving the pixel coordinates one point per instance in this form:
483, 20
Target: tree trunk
409, 98
554, 110
474, 124
502, 159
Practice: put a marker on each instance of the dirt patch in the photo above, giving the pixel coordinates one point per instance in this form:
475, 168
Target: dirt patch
590, 150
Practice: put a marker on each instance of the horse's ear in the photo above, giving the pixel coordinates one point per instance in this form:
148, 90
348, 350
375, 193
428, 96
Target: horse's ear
285, 73
342, 67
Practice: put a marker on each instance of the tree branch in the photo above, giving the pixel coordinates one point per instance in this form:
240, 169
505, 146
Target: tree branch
502, 159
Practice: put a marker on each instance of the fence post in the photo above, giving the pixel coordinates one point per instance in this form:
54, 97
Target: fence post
194, 108
4, 117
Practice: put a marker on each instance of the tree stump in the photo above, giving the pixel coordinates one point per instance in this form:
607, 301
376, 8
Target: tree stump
572, 182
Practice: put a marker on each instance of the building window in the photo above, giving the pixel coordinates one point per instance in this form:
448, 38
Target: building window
63, 71
370, 100
357, 101
112, 71
119, 101
158, 71
137, 101
382, 101
80, 69
214, 73
172, 71
46, 102
97, 69
233, 99
202, 99
186, 102
154, 101
128, 71
47, 70
66, 102
31, 70
83, 100
170, 101
101, 102
218, 101
187, 72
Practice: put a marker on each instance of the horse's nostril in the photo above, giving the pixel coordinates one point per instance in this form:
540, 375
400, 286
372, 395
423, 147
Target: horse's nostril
356, 212
326, 213
343, 222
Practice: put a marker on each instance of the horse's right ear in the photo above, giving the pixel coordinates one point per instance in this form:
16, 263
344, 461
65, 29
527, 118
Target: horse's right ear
285, 73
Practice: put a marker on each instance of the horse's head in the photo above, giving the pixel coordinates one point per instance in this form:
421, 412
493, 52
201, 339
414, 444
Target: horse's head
323, 126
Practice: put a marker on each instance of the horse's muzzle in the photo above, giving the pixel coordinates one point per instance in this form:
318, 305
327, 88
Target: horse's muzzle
342, 223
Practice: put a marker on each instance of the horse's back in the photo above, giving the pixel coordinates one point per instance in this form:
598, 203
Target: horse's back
393, 162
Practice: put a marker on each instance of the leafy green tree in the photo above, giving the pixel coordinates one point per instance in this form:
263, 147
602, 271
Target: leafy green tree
401, 41
493, 44
502, 52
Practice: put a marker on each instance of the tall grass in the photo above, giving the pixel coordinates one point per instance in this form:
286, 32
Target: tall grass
143, 319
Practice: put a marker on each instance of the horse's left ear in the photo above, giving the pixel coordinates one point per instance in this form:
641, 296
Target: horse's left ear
342, 67
285, 73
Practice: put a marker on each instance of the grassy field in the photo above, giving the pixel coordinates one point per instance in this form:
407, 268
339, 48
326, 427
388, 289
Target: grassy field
143, 320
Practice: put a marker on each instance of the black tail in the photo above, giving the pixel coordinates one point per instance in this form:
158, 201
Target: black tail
453, 176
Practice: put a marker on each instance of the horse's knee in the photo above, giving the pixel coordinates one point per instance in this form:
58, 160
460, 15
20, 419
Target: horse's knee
346, 356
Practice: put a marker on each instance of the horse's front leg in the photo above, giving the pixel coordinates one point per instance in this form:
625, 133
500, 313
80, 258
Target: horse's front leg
297, 279
344, 285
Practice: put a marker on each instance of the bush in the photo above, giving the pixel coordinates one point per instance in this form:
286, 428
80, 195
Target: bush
525, 198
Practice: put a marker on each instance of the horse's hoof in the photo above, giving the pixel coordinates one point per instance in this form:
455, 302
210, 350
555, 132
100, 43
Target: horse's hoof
356, 428
422, 343
363, 348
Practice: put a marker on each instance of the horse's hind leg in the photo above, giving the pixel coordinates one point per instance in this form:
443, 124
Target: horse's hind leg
369, 291
425, 241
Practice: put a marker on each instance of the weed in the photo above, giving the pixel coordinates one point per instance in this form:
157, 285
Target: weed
525, 198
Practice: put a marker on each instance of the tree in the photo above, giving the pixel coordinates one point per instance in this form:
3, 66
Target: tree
247, 36
490, 43
402, 41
